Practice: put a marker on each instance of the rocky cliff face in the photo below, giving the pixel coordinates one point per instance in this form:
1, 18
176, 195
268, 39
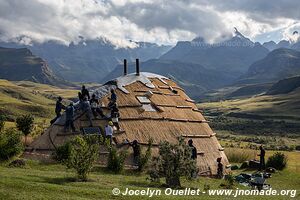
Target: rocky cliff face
21, 64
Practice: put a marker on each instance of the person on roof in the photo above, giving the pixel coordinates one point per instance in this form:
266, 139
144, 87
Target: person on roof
114, 114
70, 110
262, 164
109, 131
113, 98
136, 151
194, 150
86, 108
85, 92
96, 107
220, 168
58, 108
80, 97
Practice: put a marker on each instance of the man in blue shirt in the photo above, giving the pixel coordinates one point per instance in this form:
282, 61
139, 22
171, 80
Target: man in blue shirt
70, 110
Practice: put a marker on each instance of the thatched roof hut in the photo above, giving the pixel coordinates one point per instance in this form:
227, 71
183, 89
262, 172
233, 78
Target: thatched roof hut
151, 106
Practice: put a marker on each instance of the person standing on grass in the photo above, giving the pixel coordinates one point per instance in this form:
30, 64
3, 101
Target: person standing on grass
194, 150
220, 168
70, 118
58, 108
109, 131
136, 151
262, 164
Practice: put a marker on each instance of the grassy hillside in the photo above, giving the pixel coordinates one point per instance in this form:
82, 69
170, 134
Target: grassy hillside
278, 64
285, 86
284, 107
17, 98
249, 122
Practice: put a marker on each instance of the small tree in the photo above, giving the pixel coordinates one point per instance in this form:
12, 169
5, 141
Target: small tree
84, 151
173, 161
62, 153
144, 159
277, 161
116, 160
25, 125
10, 144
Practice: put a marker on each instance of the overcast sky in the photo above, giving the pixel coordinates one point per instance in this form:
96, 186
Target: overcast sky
160, 21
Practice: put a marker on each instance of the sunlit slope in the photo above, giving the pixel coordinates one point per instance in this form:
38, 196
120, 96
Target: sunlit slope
284, 106
17, 98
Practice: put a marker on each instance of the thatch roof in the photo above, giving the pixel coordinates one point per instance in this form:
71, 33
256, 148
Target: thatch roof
173, 114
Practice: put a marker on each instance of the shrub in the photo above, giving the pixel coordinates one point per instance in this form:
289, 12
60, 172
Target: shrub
10, 144
277, 161
25, 125
63, 152
83, 154
229, 181
297, 147
116, 160
173, 161
239, 156
234, 167
2, 122
244, 165
144, 158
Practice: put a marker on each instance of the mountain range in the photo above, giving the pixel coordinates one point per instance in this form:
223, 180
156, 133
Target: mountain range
278, 64
21, 64
271, 45
231, 56
196, 65
89, 60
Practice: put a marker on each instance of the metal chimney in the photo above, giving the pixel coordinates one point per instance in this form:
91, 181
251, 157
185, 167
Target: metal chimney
125, 67
137, 65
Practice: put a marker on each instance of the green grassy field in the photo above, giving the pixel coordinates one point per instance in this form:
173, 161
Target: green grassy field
272, 120
53, 181
17, 98
283, 107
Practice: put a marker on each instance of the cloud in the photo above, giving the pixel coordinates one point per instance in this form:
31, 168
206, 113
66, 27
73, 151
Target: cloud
161, 21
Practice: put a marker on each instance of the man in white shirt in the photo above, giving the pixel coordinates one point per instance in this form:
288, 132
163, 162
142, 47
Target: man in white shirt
109, 131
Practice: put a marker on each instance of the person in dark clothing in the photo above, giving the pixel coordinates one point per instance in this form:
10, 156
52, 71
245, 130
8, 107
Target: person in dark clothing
115, 117
80, 97
85, 92
136, 151
70, 110
112, 99
58, 108
194, 150
96, 108
220, 168
262, 158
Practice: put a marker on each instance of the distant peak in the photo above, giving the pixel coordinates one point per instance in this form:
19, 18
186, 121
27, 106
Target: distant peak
198, 39
237, 33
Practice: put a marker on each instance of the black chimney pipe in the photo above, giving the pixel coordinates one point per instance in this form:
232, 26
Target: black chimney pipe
137, 65
125, 67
